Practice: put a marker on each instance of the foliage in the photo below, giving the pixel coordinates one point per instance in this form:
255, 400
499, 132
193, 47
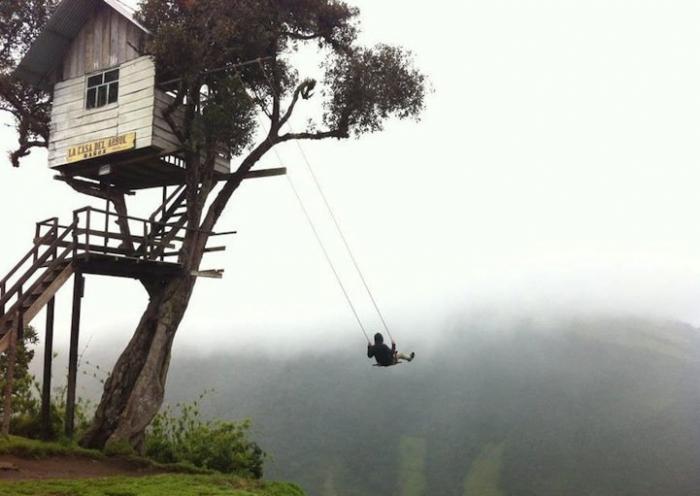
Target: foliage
230, 61
180, 485
20, 23
24, 401
363, 86
215, 445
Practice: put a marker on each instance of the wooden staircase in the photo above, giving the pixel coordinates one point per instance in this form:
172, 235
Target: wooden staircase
84, 247
168, 222
48, 272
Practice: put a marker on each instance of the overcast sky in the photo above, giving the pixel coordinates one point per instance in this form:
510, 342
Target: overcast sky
556, 168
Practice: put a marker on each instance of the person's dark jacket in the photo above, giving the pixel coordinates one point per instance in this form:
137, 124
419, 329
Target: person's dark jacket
381, 353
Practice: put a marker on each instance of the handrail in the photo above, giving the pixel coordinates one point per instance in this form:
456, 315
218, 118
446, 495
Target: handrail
156, 237
25, 295
47, 221
24, 259
37, 264
138, 219
178, 191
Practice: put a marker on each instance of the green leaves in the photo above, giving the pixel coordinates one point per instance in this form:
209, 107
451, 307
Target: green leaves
24, 401
370, 86
20, 23
216, 445
203, 43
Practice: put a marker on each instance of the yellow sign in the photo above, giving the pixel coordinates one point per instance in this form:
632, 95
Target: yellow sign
102, 147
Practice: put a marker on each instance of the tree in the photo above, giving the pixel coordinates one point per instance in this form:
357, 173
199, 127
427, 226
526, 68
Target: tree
203, 49
20, 23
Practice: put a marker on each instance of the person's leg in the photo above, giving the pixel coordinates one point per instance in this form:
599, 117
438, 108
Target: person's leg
405, 357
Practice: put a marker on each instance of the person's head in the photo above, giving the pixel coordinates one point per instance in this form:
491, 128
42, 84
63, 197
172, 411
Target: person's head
378, 338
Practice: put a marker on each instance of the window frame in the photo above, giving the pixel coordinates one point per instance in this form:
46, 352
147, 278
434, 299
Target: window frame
107, 87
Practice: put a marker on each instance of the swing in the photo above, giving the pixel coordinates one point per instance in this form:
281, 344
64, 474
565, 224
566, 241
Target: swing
340, 232
350, 253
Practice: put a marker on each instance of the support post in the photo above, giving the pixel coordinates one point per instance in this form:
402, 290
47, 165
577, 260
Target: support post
46, 433
162, 218
78, 286
20, 316
9, 383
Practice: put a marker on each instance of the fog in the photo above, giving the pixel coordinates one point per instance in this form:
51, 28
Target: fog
554, 172
494, 404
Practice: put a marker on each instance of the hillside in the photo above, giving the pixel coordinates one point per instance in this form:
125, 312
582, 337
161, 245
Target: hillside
576, 407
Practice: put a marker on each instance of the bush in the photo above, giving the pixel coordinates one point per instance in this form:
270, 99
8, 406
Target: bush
215, 445
24, 400
26, 396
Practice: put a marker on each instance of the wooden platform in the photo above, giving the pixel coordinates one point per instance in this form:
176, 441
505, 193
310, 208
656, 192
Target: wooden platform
126, 267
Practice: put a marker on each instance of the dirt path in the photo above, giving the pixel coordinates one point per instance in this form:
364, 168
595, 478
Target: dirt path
68, 467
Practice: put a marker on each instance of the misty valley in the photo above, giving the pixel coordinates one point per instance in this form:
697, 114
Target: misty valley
532, 407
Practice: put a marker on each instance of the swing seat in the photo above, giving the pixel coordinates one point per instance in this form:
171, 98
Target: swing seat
387, 366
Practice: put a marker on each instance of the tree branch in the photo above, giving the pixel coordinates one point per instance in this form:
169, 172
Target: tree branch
335, 133
304, 90
219, 204
168, 112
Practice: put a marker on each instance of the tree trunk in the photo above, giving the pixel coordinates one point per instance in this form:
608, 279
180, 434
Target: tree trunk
134, 392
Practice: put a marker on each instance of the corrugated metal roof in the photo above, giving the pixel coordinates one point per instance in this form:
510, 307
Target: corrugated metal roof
49, 48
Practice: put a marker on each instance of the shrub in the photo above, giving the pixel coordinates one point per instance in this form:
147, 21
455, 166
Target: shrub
216, 445
24, 400
26, 394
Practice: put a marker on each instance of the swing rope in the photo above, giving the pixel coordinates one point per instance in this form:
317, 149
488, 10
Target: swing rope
336, 223
342, 236
327, 255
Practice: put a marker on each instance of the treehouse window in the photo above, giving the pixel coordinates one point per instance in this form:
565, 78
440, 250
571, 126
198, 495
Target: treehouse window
102, 89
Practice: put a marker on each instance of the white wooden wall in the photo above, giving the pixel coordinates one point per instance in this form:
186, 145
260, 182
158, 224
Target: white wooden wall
72, 124
107, 40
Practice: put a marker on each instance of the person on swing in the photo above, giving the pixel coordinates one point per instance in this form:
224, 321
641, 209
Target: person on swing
385, 356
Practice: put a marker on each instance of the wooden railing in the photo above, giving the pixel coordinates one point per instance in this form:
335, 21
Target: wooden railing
44, 255
96, 232
32, 255
90, 238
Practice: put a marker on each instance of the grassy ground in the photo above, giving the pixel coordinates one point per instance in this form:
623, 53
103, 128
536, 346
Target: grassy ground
29, 448
188, 481
180, 485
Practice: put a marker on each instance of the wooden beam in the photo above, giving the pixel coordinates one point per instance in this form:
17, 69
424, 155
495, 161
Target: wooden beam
209, 274
46, 433
78, 286
280, 171
48, 294
82, 183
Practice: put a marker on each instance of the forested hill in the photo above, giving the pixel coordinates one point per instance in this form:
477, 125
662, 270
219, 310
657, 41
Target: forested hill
579, 407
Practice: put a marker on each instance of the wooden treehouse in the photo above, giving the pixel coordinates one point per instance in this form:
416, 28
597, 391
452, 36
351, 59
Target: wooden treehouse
108, 131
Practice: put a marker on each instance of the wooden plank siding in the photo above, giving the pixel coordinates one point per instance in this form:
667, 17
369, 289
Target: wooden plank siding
72, 124
107, 40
